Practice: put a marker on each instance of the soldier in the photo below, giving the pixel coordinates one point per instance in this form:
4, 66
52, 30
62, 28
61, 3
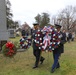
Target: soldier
60, 49
36, 50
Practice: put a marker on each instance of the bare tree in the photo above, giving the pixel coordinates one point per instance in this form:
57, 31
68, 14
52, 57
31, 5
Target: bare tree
67, 17
26, 27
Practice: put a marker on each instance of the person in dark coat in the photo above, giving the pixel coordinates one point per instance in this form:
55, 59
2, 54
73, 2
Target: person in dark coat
70, 36
36, 50
23, 32
59, 50
64, 35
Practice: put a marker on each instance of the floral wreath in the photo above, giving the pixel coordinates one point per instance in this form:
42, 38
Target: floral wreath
25, 42
55, 40
39, 39
50, 41
9, 49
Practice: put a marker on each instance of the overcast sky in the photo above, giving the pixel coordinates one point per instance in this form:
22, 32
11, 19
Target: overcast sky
26, 10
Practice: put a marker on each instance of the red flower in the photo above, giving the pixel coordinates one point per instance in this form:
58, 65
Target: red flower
38, 33
37, 38
12, 51
9, 50
37, 44
40, 41
9, 45
52, 32
29, 39
21, 42
52, 44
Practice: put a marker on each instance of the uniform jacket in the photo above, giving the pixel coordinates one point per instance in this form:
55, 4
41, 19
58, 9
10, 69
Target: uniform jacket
34, 37
60, 48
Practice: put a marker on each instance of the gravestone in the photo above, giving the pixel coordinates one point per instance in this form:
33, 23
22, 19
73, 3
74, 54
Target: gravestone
12, 33
3, 27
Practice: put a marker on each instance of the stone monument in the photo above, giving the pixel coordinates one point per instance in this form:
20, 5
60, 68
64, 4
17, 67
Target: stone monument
11, 33
3, 26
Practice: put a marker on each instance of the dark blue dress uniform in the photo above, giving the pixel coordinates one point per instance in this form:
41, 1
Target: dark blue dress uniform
36, 50
57, 52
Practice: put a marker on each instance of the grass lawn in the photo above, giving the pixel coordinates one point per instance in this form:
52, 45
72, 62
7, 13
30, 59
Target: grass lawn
23, 62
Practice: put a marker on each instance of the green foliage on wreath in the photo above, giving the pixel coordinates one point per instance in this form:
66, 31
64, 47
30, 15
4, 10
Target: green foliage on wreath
7, 52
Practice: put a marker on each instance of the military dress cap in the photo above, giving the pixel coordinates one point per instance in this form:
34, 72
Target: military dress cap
57, 25
35, 24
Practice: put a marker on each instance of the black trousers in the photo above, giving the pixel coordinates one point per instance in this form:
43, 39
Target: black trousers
37, 54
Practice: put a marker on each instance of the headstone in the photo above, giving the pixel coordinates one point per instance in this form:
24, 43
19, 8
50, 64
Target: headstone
3, 27
12, 33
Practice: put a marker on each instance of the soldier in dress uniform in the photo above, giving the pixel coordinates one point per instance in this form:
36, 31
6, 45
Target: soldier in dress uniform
36, 50
60, 49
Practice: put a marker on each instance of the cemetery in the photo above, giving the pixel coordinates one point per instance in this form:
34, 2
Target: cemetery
16, 50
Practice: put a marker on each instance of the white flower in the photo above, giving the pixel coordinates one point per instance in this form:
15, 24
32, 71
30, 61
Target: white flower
51, 30
53, 34
40, 43
35, 40
38, 30
50, 47
23, 45
59, 36
51, 43
22, 39
55, 29
38, 34
40, 38
58, 43
53, 38
39, 47
41, 30
42, 46
35, 34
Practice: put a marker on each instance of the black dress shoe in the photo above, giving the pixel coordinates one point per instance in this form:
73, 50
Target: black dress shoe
57, 67
52, 71
42, 61
35, 67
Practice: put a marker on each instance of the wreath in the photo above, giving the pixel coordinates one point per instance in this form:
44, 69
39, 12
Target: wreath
55, 40
9, 49
25, 42
51, 38
38, 40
